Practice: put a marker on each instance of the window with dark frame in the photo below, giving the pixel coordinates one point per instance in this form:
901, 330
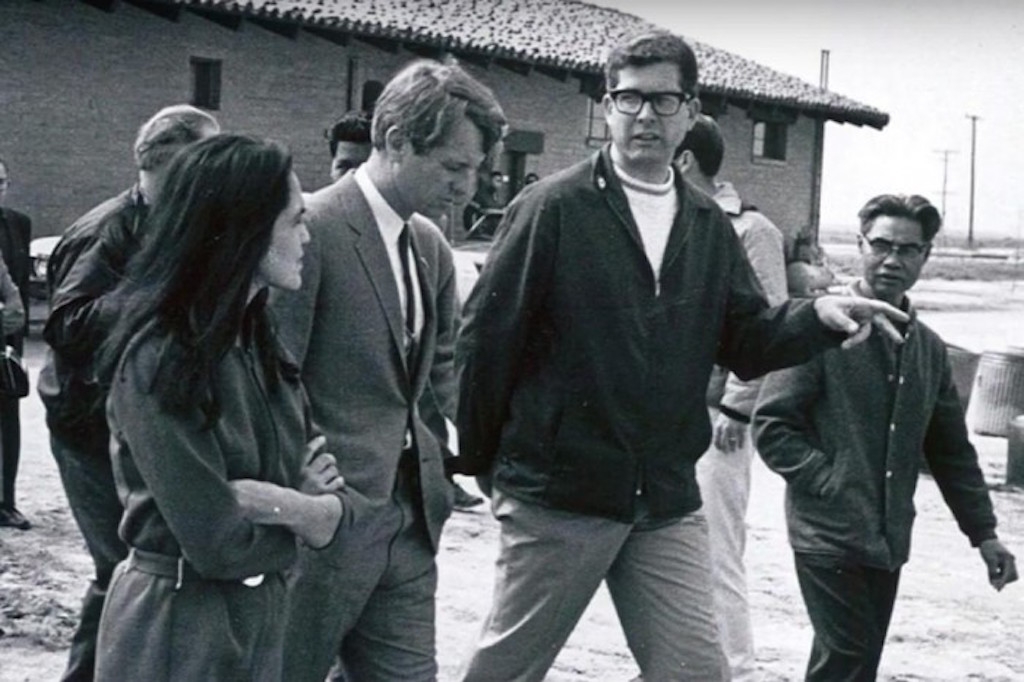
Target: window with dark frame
205, 82
597, 127
770, 140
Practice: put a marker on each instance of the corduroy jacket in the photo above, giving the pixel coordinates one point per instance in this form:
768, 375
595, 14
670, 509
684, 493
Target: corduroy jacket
847, 429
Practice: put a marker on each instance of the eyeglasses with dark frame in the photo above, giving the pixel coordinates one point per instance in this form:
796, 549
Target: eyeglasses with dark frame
883, 247
630, 102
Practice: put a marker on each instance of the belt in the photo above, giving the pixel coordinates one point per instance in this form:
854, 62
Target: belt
175, 567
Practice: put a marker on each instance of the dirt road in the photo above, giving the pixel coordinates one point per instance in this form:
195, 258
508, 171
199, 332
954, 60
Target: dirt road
949, 625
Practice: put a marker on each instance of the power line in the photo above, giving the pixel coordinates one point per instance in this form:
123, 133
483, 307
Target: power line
970, 218
946, 153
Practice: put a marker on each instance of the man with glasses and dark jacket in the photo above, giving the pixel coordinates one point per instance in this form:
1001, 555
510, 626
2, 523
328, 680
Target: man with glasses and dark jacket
846, 431
612, 290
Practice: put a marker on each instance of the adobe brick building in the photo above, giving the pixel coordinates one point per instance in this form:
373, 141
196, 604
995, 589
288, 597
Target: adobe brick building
77, 77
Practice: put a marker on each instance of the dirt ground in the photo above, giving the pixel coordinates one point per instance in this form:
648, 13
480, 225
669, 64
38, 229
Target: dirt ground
948, 624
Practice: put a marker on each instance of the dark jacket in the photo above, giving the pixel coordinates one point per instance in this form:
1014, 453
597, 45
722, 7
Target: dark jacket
173, 472
846, 430
87, 263
582, 378
15, 237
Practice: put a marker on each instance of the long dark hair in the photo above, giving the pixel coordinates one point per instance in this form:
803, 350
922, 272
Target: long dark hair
208, 230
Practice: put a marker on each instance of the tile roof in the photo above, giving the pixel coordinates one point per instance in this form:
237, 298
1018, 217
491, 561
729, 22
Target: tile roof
563, 34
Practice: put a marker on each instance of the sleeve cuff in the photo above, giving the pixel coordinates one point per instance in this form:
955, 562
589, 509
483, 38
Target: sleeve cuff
981, 536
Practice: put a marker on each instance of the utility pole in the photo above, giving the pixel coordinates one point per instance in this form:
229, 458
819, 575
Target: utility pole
970, 218
945, 176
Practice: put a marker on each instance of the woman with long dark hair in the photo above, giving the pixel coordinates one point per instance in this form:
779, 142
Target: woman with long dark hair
210, 435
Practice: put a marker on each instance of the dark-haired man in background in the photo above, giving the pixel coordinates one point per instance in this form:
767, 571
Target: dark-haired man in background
846, 430
349, 142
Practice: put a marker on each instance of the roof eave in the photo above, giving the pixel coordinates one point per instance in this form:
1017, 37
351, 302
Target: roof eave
860, 117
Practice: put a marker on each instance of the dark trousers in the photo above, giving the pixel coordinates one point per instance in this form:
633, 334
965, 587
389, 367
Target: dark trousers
366, 602
157, 630
10, 448
850, 606
10, 437
89, 485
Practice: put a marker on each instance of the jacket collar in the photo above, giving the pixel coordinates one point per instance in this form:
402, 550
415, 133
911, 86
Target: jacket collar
691, 201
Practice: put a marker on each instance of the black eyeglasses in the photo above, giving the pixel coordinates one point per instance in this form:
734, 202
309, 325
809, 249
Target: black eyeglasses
883, 247
630, 102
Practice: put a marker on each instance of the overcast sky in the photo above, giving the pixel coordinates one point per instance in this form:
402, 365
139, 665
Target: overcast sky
927, 63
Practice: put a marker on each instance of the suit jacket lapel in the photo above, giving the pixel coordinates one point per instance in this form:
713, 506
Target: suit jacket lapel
425, 277
372, 254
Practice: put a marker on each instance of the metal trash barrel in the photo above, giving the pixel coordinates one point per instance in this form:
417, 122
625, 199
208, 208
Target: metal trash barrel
1015, 452
998, 393
964, 365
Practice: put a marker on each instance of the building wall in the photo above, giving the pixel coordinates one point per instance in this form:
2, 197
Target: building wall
782, 190
76, 82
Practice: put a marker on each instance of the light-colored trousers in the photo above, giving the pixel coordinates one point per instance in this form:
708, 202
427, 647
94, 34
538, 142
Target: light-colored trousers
724, 480
550, 565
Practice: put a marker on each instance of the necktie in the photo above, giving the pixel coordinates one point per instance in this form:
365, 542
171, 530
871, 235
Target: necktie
404, 253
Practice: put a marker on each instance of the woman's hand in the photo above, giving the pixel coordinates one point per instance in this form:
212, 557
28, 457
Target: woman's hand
314, 518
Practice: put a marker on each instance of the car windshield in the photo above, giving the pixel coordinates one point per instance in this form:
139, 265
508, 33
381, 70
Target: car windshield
485, 225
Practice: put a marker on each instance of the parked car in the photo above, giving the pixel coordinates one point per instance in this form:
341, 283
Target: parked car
471, 252
39, 251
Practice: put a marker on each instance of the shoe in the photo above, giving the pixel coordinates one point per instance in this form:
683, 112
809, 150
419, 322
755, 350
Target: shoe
13, 519
464, 500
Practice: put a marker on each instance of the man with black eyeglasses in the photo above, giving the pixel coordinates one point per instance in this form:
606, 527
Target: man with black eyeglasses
846, 430
589, 339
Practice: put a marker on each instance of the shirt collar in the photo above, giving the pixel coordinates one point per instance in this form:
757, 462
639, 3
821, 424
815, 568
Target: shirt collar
728, 199
388, 221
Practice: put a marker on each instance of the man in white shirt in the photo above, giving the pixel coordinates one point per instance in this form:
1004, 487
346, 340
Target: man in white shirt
723, 473
373, 331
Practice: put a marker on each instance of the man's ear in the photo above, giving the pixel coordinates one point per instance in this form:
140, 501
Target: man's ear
394, 142
609, 106
927, 253
694, 111
684, 162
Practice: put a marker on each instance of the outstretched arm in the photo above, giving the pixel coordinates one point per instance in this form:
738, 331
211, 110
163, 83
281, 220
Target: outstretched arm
857, 316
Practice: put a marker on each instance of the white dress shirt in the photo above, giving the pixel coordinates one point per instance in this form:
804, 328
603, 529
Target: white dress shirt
390, 225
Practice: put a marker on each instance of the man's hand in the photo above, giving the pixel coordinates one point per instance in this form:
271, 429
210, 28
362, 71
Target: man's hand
1002, 567
729, 433
319, 474
856, 316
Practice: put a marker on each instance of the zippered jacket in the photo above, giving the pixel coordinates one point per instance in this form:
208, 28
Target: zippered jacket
582, 376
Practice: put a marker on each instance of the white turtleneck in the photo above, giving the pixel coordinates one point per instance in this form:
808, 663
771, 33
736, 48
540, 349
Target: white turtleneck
654, 208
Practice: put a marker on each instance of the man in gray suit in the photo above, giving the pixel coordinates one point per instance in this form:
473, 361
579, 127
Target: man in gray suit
372, 327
